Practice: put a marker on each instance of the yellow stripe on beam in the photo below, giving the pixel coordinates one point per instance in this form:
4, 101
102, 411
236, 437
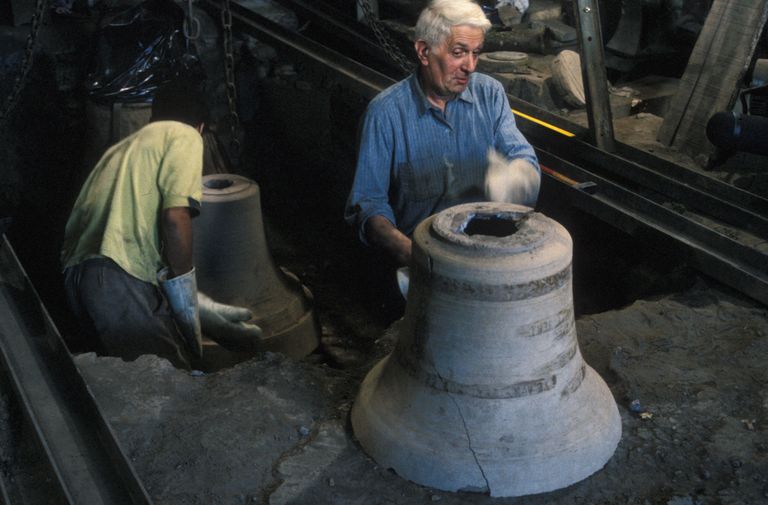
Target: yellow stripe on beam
544, 124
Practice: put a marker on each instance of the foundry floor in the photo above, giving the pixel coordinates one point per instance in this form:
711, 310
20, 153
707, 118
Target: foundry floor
276, 431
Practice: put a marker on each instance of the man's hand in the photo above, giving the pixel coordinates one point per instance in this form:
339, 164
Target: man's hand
512, 181
380, 232
226, 325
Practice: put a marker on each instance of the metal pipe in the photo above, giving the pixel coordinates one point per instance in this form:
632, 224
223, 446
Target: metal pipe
593, 72
732, 132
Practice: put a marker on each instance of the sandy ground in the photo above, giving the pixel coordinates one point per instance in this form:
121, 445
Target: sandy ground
276, 431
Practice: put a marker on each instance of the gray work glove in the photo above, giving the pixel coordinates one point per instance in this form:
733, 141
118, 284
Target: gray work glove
181, 293
511, 181
226, 325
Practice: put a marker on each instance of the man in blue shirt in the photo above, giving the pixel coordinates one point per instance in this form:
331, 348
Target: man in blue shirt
441, 137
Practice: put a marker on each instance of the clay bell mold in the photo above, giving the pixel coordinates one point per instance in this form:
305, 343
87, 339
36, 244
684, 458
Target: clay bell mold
234, 266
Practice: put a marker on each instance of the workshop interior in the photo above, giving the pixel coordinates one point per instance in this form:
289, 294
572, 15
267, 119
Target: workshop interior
605, 345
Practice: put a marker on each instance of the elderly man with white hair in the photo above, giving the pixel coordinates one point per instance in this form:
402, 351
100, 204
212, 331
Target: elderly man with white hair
443, 136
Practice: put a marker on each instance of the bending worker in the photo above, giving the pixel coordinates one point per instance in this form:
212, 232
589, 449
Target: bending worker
443, 136
128, 241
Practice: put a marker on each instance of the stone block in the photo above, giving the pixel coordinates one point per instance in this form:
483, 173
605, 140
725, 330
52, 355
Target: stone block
544, 10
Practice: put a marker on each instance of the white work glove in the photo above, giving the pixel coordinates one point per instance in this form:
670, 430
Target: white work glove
226, 325
181, 294
403, 275
511, 181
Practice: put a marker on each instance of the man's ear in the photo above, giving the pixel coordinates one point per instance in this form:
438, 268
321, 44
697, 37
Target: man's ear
422, 51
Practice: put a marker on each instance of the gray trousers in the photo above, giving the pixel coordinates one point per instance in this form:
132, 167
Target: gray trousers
121, 315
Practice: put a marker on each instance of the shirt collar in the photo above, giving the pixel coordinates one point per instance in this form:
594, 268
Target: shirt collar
424, 105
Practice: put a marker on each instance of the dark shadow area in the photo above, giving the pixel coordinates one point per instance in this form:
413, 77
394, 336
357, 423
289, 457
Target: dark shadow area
612, 269
302, 156
43, 140
491, 226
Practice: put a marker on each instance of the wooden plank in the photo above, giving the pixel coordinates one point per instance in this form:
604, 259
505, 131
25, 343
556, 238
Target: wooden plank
716, 67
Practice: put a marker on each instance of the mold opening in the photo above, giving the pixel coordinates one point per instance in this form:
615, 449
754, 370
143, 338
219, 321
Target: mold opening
494, 226
218, 183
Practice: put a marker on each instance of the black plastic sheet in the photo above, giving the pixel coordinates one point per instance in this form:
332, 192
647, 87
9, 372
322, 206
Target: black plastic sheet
140, 49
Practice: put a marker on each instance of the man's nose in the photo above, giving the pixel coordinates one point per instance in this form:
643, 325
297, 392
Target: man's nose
470, 63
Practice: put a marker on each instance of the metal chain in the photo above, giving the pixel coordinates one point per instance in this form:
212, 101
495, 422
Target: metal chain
229, 74
26, 64
380, 30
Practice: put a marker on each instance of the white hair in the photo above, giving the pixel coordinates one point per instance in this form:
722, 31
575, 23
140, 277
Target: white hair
436, 20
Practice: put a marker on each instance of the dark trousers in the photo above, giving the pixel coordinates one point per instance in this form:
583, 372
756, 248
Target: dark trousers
121, 315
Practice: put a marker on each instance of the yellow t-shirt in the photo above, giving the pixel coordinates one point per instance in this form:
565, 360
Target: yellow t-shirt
117, 212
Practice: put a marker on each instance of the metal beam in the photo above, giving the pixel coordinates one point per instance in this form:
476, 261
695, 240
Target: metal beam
85, 457
714, 254
593, 73
693, 189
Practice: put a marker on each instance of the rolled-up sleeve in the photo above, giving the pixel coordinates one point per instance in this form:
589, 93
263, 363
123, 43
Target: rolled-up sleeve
508, 139
369, 195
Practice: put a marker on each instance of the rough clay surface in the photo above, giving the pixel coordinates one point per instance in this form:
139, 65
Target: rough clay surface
275, 431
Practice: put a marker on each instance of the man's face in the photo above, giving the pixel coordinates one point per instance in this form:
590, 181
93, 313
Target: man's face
446, 68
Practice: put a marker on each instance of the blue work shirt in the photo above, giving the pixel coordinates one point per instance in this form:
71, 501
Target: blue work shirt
415, 160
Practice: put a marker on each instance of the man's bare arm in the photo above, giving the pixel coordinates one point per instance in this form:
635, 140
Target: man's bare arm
176, 227
380, 232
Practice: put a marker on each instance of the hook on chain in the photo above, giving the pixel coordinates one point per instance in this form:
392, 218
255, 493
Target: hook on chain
191, 26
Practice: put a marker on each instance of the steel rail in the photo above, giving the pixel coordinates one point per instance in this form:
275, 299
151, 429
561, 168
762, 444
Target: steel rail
627, 188
640, 176
643, 217
619, 189
83, 454
695, 189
